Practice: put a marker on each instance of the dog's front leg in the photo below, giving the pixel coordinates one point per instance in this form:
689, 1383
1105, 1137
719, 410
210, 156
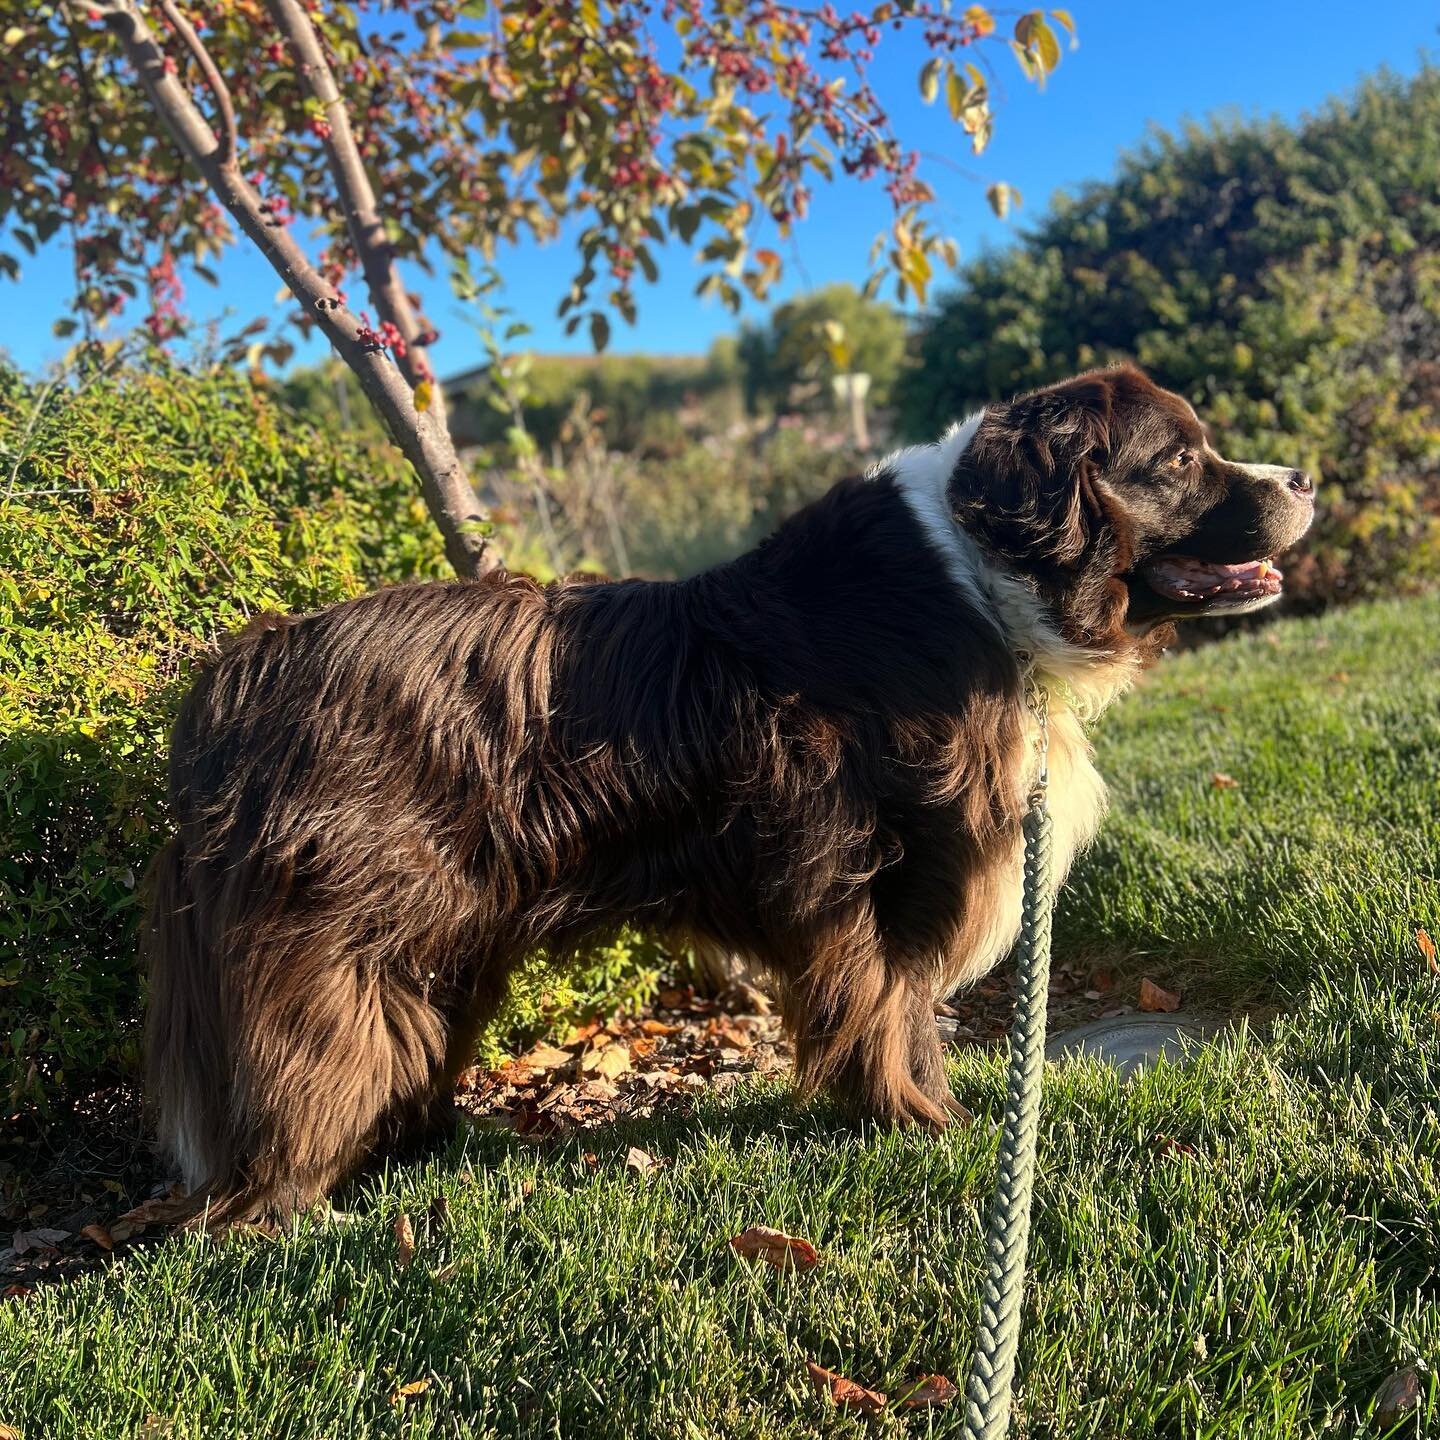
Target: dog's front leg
864, 1027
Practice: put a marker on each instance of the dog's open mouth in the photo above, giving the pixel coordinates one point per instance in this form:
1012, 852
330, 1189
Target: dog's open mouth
1204, 582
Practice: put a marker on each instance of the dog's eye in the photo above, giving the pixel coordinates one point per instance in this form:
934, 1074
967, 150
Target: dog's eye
1184, 459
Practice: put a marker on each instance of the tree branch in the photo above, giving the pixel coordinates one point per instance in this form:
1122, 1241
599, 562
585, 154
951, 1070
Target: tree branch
421, 435
213, 79
357, 196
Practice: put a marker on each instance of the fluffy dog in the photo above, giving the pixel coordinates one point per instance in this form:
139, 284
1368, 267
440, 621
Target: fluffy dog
815, 755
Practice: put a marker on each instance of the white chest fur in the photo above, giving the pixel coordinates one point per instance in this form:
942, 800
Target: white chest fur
1079, 684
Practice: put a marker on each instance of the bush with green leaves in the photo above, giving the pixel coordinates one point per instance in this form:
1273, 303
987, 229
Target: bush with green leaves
143, 513
1285, 279
809, 340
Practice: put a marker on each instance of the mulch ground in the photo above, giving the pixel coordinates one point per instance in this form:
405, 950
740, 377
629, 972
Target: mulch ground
74, 1190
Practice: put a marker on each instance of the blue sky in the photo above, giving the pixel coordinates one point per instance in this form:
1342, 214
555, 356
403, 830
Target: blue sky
1140, 63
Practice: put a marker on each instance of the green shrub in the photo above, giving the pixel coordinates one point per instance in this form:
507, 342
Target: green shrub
1286, 280
149, 512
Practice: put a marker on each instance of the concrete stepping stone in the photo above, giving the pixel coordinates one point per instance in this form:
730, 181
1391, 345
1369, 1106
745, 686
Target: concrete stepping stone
1130, 1042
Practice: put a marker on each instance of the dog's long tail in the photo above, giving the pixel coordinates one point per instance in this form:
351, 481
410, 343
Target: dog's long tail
187, 1062
273, 1056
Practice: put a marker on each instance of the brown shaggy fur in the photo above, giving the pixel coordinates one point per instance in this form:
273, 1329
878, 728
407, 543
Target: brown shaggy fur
814, 755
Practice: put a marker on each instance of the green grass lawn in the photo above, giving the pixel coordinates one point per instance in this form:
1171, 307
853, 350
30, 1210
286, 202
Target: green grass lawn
1260, 1283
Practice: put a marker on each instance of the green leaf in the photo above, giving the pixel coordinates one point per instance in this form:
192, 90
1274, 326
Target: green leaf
599, 331
955, 94
930, 80
1047, 45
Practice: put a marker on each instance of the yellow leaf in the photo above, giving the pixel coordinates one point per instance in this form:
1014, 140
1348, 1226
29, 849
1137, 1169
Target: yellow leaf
422, 395
980, 20
1064, 17
409, 1391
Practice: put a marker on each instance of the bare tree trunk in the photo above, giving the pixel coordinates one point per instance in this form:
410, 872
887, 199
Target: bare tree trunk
357, 198
420, 432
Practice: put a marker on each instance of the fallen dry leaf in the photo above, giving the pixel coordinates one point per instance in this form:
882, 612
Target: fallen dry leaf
733, 1036
1401, 1392
545, 1057
100, 1235
659, 1027
929, 1393
1427, 949
404, 1240
1222, 781
845, 1392
408, 1391
158, 1209
613, 1060
533, 1123
1165, 1145
641, 1161
1156, 997
41, 1238
775, 1248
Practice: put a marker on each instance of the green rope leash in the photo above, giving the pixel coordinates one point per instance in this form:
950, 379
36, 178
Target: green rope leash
992, 1374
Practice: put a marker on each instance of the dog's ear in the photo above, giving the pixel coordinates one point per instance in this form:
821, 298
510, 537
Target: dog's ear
1025, 484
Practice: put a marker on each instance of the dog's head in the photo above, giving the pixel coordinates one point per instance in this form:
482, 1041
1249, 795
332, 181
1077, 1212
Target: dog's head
1105, 491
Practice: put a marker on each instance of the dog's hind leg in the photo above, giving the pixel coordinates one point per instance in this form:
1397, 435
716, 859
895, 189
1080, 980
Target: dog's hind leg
279, 1051
322, 1066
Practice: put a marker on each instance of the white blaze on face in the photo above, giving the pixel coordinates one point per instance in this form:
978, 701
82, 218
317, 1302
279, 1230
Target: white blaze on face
1280, 474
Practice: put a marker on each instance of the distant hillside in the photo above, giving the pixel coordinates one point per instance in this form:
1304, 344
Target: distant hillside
646, 402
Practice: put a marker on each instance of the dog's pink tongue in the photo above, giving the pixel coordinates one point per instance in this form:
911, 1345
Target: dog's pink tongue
1184, 578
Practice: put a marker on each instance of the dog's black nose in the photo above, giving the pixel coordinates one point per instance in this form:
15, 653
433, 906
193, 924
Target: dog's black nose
1301, 483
